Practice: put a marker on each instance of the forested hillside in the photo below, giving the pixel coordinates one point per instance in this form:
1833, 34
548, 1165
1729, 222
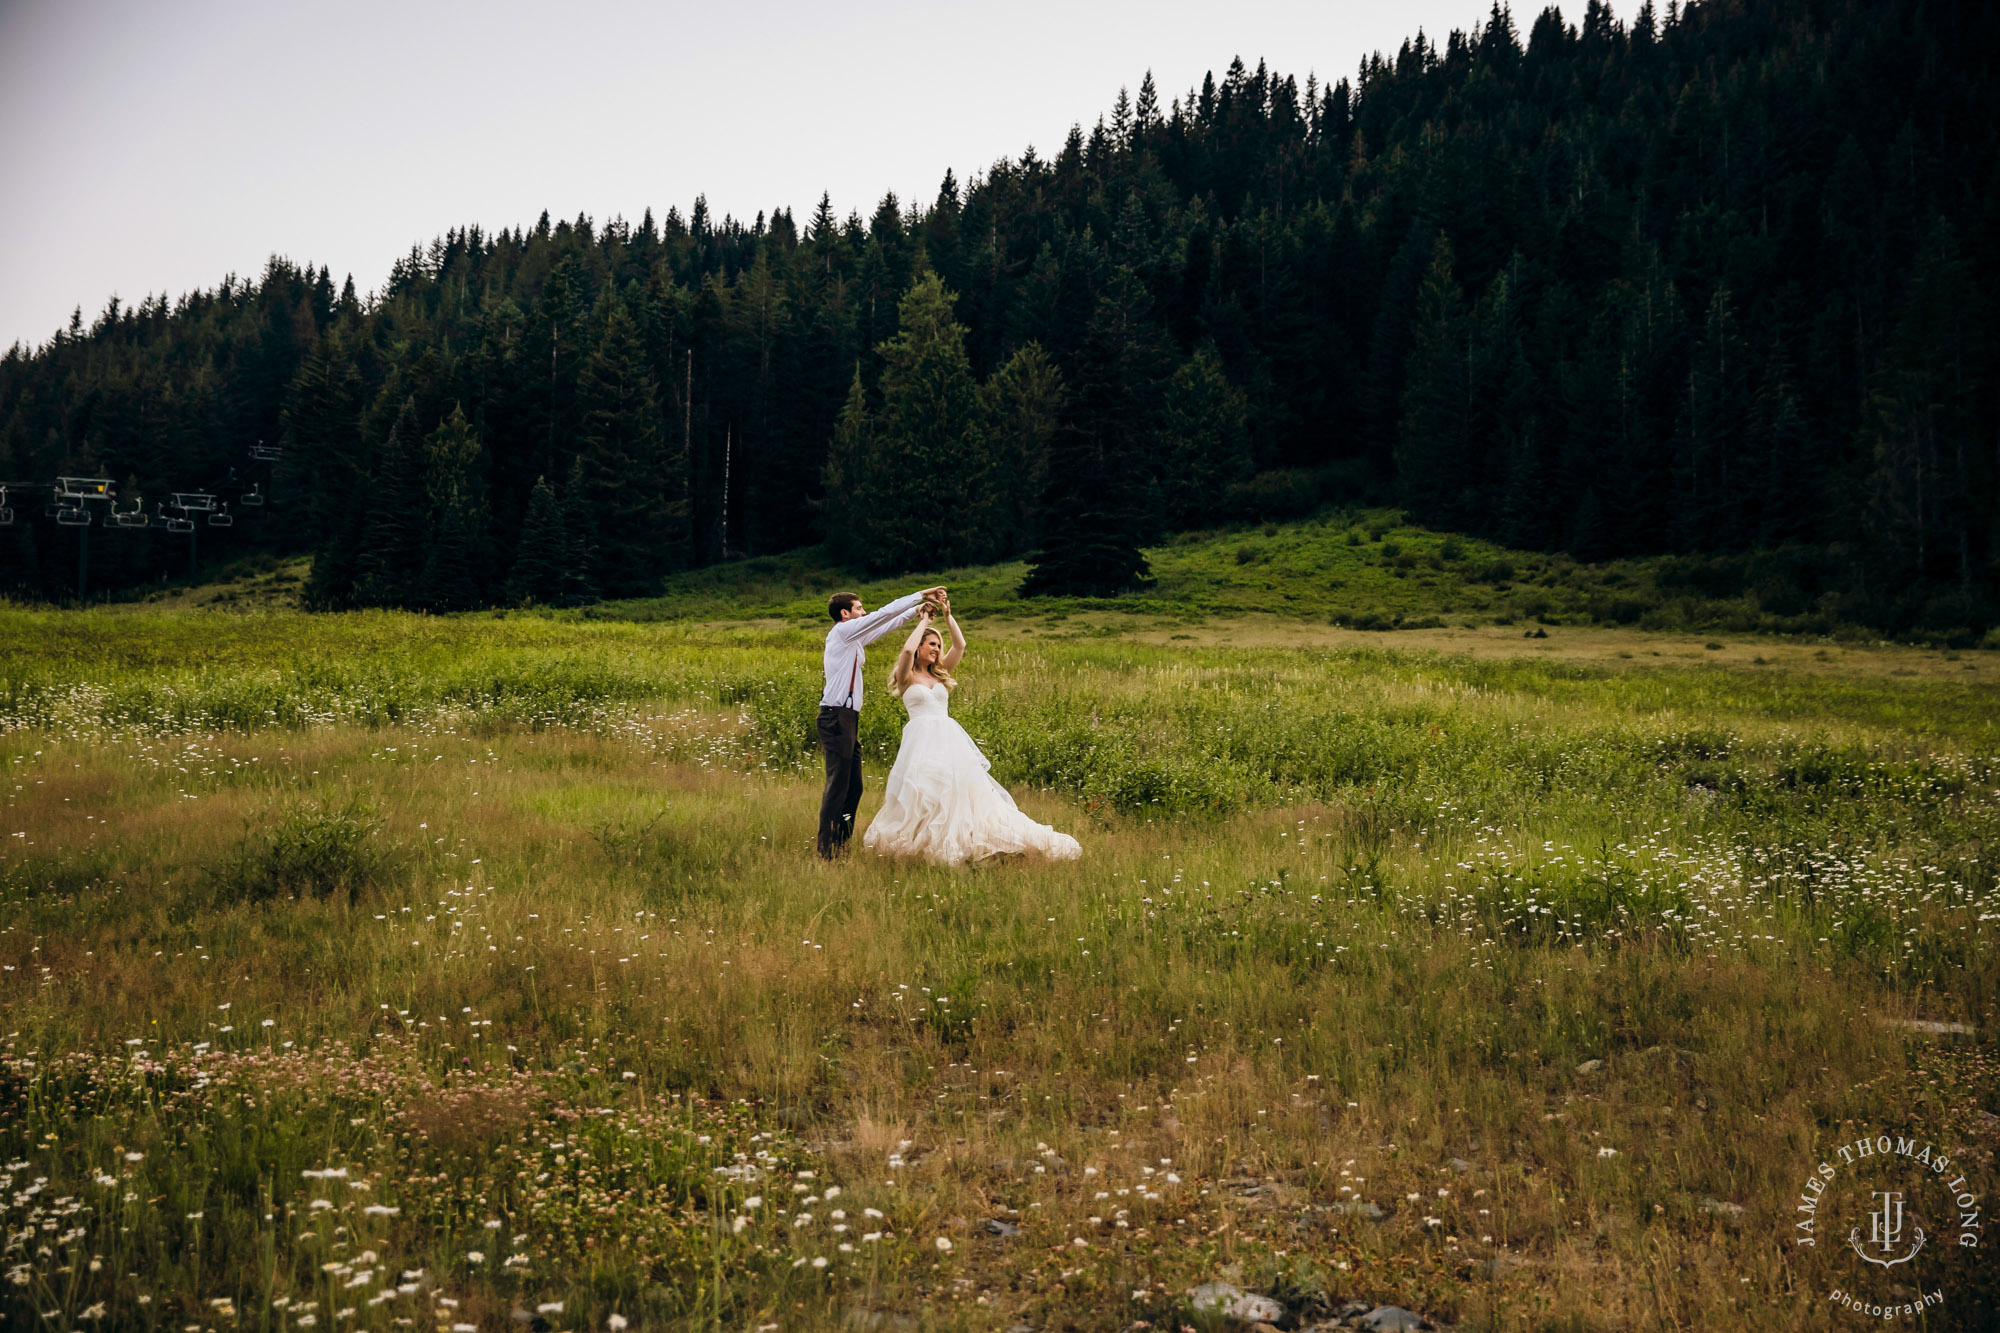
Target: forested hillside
1720, 282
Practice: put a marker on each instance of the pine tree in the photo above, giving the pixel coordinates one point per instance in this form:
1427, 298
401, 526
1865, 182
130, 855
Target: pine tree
322, 429
1790, 472
1089, 544
1023, 402
456, 555
1099, 509
1433, 455
1708, 445
579, 527
394, 533
636, 487
542, 554
850, 470
935, 494
1924, 511
1204, 438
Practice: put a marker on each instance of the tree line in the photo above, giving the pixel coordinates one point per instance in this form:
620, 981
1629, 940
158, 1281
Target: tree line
1719, 281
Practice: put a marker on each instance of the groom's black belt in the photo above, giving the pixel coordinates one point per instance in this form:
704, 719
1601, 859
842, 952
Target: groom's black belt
839, 708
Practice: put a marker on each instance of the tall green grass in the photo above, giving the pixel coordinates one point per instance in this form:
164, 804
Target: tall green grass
332, 942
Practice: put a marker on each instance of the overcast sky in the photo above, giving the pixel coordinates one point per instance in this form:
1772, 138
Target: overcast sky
154, 147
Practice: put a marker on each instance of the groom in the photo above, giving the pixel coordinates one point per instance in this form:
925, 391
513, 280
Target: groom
854, 628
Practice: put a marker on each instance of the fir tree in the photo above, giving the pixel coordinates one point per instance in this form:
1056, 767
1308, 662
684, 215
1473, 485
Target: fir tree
1204, 438
636, 488
1709, 449
1023, 403
1433, 460
850, 461
456, 555
934, 498
542, 555
1089, 546
322, 428
394, 534
579, 525
1933, 473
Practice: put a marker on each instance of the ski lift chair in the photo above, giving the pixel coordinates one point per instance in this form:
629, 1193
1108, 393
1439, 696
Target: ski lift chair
83, 488
72, 516
253, 497
6, 513
222, 518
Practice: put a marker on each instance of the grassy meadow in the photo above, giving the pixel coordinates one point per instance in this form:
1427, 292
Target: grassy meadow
377, 971
1360, 569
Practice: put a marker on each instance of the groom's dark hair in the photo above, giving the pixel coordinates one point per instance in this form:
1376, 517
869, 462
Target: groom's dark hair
839, 602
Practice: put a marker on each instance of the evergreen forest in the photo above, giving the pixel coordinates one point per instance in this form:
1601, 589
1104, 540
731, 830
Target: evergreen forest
1718, 284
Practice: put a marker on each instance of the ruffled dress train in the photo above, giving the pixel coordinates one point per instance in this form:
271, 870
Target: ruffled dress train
941, 802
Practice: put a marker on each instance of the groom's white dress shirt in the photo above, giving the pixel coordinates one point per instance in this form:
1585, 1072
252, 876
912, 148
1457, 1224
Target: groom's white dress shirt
847, 650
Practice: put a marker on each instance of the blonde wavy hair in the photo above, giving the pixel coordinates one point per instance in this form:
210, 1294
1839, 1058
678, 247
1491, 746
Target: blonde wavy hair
899, 681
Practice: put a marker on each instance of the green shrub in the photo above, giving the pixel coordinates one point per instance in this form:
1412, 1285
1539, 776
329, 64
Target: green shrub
310, 850
1618, 610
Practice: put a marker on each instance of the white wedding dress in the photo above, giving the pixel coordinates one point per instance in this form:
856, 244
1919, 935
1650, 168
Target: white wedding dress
942, 804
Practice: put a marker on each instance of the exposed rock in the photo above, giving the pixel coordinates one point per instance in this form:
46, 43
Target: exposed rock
1460, 1165
1235, 1303
1930, 1027
1359, 1208
880, 1321
1004, 1230
1590, 1066
1498, 1266
1721, 1208
1672, 1055
1393, 1319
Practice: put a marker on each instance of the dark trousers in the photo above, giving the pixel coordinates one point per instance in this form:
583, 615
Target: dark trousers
840, 741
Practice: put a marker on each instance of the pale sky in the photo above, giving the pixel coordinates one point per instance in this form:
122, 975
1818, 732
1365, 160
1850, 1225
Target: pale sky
155, 146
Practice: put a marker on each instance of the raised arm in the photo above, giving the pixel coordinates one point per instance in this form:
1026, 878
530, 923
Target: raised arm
956, 653
866, 629
900, 672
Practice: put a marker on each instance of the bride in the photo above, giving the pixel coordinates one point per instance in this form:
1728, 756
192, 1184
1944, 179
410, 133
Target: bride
940, 803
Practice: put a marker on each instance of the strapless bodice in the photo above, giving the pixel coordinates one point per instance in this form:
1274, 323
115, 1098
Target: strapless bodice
923, 699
